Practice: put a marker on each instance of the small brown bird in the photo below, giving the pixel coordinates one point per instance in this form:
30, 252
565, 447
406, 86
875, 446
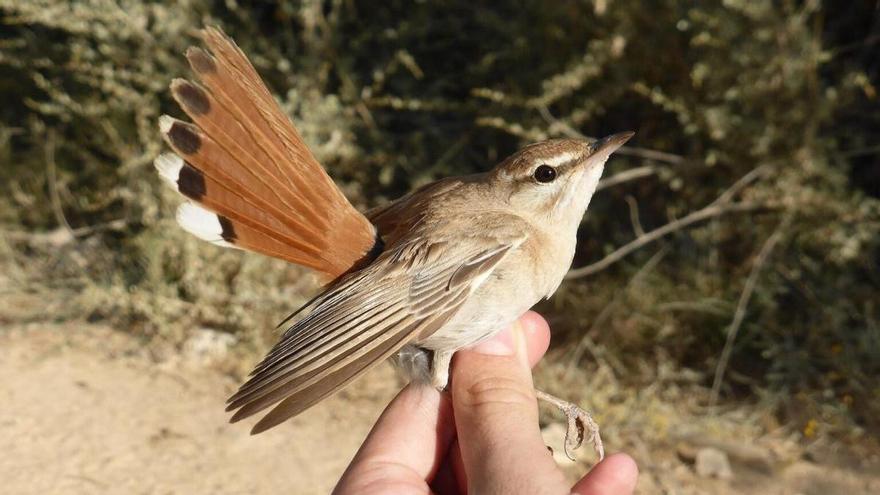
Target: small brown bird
442, 268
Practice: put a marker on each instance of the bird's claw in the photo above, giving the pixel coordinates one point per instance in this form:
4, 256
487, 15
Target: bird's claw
581, 426
581, 422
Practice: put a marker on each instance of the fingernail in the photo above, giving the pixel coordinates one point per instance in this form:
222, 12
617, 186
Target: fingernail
499, 345
522, 351
507, 343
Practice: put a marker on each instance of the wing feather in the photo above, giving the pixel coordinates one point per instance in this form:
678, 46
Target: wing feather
410, 291
308, 374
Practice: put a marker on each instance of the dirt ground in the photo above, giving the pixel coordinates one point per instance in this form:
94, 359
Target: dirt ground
90, 410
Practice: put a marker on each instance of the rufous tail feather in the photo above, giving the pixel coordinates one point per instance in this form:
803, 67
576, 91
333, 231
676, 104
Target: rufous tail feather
251, 180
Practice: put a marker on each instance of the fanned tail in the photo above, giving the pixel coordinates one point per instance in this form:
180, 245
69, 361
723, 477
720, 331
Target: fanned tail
251, 180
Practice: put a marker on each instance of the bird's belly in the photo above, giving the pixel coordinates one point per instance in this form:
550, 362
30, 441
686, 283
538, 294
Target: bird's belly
491, 308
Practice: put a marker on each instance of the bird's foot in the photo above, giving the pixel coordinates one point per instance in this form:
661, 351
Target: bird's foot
580, 422
440, 369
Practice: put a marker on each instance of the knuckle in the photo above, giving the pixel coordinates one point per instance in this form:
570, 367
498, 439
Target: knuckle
380, 475
496, 392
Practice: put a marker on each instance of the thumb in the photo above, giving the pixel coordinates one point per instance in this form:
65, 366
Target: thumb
496, 418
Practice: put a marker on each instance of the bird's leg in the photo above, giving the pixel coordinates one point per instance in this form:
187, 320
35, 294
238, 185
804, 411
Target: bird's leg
440, 369
579, 422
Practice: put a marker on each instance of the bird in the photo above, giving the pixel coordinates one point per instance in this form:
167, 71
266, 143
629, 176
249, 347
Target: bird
440, 269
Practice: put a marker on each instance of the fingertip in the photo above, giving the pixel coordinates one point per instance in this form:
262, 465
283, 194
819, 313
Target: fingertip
530, 332
617, 474
536, 333
415, 430
624, 466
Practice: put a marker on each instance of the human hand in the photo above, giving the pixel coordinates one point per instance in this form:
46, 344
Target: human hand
492, 445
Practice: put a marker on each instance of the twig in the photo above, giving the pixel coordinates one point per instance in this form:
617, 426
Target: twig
742, 306
611, 365
870, 150
648, 154
586, 342
720, 206
676, 225
870, 40
60, 236
740, 183
634, 215
51, 177
626, 176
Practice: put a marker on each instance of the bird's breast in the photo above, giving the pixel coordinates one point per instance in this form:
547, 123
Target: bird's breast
523, 278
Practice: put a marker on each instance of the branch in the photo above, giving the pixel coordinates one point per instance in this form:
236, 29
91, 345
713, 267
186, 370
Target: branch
634, 216
720, 206
60, 236
52, 180
626, 176
648, 154
741, 183
586, 342
710, 211
742, 305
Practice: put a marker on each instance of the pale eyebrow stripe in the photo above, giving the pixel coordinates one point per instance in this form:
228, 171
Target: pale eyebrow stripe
559, 159
561, 162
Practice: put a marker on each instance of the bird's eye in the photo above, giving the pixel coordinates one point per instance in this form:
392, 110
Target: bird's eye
545, 173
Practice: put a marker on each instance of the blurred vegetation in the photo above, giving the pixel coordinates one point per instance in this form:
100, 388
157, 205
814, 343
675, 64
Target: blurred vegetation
774, 99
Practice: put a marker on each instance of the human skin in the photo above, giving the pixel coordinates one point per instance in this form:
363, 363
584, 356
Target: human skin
481, 438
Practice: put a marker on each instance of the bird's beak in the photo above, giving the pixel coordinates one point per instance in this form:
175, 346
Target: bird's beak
590, 166
607, 145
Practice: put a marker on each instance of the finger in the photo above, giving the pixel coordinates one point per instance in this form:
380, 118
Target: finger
446, 481
451, 477
406, 445
496, 414
536, 333
616, 475
534, 330
458, 466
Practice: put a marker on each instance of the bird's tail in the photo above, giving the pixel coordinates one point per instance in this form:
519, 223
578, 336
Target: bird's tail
251, 181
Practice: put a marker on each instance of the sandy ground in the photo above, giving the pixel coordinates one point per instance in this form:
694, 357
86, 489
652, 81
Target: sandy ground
86, 411
89, 410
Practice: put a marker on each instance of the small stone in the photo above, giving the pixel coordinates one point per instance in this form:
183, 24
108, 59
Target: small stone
712, 463
207, 346
686, 452
554, 438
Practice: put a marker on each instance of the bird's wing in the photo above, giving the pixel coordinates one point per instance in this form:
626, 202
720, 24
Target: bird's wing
251, 180
410, 291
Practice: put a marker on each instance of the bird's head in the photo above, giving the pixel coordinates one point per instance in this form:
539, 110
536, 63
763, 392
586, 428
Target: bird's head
553, 181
